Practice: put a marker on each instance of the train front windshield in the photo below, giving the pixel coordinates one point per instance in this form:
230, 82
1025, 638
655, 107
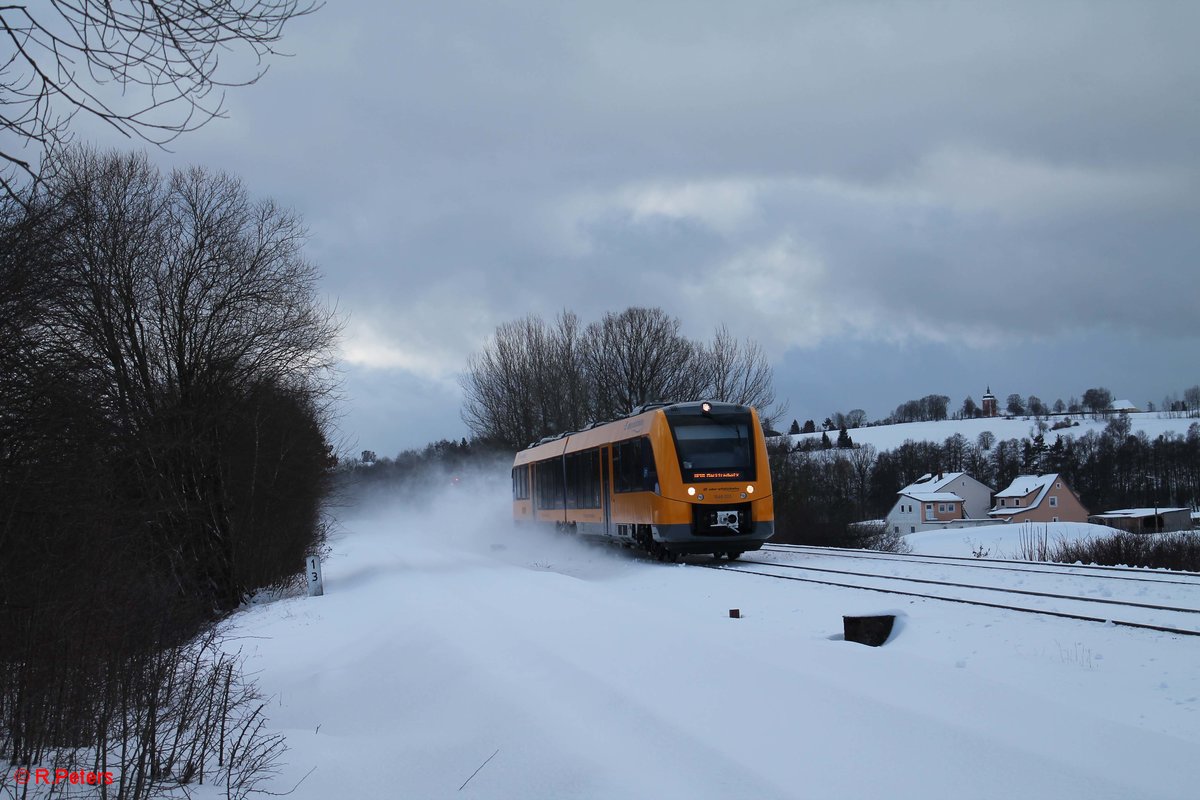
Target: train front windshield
717, 447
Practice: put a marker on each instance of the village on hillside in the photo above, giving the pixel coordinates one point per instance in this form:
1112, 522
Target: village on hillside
950, 499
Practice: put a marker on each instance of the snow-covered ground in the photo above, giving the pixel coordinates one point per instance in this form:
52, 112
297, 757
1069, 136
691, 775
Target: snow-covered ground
584, 672
1003, 541
889, 437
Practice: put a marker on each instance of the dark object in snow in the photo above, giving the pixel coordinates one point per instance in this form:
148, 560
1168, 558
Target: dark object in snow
872, 631
735, 613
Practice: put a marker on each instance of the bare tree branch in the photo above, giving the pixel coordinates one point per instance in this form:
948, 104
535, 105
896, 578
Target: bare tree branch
151, 69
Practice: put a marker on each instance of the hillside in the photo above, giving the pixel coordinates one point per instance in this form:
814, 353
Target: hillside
889, 437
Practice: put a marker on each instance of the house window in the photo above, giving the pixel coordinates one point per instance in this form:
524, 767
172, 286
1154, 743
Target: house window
1054, 519
1054, 501
912, 529
897, 528
941, 508
1016, 502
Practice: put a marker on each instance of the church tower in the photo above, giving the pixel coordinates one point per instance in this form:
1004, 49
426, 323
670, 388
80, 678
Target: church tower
989, 404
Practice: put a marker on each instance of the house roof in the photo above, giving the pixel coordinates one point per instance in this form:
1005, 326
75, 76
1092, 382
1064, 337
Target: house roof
933, 497
1128, 513
933, 483
1025, 484
1122, 405
1022, 486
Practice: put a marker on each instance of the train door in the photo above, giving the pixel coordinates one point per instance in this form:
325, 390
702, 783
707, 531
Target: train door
605, 491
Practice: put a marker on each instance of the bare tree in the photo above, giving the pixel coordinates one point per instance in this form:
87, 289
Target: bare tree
194, 313
163, 380
739, 373
532, 380
152, 69
529, 381
955, 449
1097, 400
1191, 396
638, 356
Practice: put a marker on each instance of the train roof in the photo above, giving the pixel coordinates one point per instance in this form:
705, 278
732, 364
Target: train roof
631, 422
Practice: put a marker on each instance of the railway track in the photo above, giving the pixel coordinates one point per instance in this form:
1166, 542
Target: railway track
1174, 617
1007, 565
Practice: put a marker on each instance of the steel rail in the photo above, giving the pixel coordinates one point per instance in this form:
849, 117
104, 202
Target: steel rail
982, 603
1140, 574
955, 585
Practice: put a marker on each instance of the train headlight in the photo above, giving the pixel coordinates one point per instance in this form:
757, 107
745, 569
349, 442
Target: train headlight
692, 490
749, 490
706, 407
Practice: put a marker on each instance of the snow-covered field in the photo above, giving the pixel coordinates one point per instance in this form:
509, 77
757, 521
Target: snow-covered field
889, 437
584, 672
1003, 541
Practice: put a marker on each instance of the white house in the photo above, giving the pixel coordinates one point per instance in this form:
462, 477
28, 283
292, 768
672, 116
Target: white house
939, 501
977, 497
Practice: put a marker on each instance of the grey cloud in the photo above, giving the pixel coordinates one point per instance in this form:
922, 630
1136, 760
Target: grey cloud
953, 181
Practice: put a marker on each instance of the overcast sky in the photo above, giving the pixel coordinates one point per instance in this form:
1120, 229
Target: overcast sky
894, 199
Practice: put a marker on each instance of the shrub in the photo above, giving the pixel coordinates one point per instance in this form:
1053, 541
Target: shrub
1177, 551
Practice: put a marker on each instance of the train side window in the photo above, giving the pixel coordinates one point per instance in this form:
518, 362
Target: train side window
649, 470
549, 488
624, 466
570, 467
520, 480
583, 479
633, 466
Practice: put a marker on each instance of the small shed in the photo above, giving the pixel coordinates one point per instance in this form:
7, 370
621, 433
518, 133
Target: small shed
1145, 520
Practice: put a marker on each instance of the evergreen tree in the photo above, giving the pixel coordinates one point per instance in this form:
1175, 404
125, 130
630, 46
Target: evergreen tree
795, 429
825, 443
843, 440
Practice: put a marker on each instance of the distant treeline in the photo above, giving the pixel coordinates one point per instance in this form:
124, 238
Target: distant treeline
934, 407
413, 475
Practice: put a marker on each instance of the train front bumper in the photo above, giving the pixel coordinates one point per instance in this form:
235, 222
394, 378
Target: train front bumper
683, 538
